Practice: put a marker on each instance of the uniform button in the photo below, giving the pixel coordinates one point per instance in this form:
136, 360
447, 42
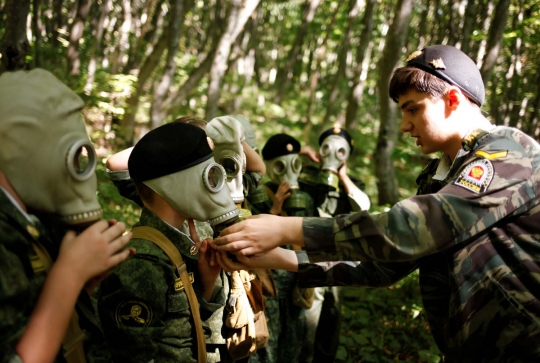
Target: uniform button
33, 231
193, 250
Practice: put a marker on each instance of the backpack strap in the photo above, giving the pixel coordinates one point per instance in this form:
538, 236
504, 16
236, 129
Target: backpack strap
72, 345
159, 239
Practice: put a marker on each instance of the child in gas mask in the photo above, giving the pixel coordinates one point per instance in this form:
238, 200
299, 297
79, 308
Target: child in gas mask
144, 311
334, 193
282, 196
37, 295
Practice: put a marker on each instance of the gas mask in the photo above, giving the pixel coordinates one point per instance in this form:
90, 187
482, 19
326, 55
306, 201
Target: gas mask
46, 154
202, 195
287, 168
334, 151
227, 135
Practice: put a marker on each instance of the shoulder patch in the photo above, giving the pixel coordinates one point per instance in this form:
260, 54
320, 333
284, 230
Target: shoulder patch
133, 314
476, 176
492, 155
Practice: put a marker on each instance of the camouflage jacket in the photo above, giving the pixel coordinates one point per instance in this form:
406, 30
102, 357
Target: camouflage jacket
475, 239
22, 276
143, 317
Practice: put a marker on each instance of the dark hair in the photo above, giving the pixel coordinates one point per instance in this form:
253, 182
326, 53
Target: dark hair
191, 120
410, 78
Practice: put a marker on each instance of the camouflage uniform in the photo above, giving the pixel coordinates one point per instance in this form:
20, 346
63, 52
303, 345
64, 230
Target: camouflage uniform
474, 238
22, 276
286, 321
142, 315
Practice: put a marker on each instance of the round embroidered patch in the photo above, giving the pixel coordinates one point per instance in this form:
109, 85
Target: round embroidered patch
476, 176
133, 313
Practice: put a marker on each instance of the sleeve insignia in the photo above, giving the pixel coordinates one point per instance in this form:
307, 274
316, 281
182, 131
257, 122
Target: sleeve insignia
476, 176
133, 314
438, 63
413, 55
492, 155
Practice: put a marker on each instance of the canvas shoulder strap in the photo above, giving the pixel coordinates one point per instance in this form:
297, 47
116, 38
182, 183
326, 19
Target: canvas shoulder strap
159, 239
72, 345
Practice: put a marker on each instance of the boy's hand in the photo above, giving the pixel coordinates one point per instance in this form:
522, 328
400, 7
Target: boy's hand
95, 251
207, 264
283, 192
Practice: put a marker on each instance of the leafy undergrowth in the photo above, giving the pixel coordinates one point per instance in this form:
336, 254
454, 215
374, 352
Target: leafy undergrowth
386, 325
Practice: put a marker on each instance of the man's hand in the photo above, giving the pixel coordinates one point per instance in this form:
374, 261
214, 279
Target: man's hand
259, 234
278, 258
95, 251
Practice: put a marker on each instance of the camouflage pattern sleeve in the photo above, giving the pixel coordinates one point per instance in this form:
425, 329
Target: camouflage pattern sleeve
143, 317
18, 292
427, 224
126, 187
250, 181
351, 273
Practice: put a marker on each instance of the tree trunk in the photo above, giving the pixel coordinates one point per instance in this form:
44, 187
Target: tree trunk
56, 22
468, 22
128, 121
391, 55
496, 32
355, 91
75, 35
235, 23
342, 63
122, 46
15, 43
157, 112
36, 32
96, 46
284, 75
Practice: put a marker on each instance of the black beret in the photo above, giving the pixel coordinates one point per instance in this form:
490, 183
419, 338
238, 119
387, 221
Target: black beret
168, 149
453, 66
338, 132
279, 145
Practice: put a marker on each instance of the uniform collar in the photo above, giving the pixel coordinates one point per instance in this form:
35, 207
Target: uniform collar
14, 211
181, 241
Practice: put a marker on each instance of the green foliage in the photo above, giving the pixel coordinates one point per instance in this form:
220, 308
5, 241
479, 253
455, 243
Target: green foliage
115, 206
386, 325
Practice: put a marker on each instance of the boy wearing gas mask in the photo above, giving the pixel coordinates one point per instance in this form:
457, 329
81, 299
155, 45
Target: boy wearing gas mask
233, 141
43, 278
282, 196
144, 312
334, 193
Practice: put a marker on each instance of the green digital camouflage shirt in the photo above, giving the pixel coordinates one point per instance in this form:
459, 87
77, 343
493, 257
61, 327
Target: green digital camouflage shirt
143, 317
22, 276
475, 239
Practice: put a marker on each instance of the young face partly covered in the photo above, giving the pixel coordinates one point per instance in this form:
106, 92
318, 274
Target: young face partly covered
427, 120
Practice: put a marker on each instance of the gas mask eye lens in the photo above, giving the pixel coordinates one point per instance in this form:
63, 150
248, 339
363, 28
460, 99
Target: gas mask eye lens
230, 165
214, 177
279, 167
341, 153
296, 165
325, 150
81, 160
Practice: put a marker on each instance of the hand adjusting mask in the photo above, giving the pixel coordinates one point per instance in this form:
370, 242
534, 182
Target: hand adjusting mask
46, 154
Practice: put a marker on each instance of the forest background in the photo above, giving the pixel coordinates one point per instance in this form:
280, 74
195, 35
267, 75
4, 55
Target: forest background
298, 67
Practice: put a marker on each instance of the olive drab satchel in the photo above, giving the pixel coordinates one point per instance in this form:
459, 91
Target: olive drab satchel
156, 237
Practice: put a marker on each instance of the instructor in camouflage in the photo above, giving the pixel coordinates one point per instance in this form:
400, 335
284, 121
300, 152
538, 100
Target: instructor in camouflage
473, 229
